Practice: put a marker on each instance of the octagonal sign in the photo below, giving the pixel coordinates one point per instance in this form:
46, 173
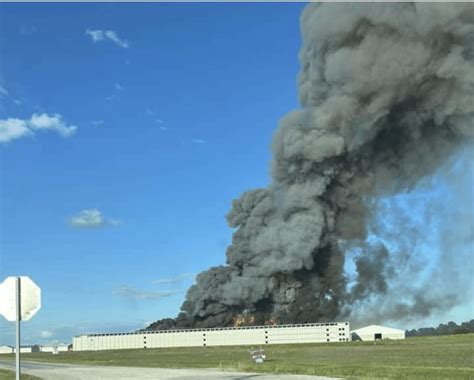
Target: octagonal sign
30, 296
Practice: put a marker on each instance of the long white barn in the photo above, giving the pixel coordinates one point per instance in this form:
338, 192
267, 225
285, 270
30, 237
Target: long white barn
225, 336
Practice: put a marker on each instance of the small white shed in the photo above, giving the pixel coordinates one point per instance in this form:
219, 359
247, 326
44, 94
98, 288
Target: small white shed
6, 350
24, 350
376, 332
55, 348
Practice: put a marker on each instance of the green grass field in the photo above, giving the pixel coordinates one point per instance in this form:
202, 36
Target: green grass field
10, 375
445, 357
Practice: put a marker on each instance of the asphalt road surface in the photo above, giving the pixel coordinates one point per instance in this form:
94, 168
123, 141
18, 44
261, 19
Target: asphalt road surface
49, 371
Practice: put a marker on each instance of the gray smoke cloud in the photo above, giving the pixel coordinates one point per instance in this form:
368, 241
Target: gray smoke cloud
438, 221
386, 98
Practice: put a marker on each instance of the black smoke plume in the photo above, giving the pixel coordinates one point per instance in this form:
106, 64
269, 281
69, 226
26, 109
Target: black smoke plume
386, 93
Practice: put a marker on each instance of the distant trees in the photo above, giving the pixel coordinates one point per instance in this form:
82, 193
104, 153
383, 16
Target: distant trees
443, 329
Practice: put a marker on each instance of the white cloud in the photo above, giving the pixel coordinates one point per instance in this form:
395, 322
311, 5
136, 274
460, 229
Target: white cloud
3, 91
92, 218
96, 35
102, 35
55, 122
174, 279
161, 122
154, 115
97, 123
172, 283
135, 294
46, 334
113, 36
12, 129
198, 141
118, 87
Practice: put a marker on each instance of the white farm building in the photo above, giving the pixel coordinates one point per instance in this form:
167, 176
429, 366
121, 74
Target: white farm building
54, 348
6, 350
24, 350
225, 336
375, 332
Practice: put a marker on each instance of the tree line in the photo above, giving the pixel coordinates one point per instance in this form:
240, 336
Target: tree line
443, 329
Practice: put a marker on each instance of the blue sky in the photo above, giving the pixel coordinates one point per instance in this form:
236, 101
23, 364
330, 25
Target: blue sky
131, 127
168, 131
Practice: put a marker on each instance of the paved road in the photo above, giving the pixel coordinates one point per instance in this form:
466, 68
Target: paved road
49, 371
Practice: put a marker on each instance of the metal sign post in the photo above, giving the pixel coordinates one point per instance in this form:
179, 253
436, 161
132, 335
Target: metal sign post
20, 299
18, 319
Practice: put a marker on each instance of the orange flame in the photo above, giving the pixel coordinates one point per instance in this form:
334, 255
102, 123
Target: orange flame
243, 320
270, 322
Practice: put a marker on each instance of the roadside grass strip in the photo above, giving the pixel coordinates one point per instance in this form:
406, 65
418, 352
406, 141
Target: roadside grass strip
441, 357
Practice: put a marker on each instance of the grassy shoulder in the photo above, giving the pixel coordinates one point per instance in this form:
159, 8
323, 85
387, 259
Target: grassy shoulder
444, 357
10, 375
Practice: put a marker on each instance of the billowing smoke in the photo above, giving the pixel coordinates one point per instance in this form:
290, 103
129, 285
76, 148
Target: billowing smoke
386, 93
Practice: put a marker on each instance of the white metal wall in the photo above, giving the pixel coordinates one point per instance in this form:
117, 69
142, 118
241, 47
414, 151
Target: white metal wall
384, 336
26, 350
226, 336
383, 332
6, 349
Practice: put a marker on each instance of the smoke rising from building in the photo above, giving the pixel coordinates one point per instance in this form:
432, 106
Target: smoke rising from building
386, 93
